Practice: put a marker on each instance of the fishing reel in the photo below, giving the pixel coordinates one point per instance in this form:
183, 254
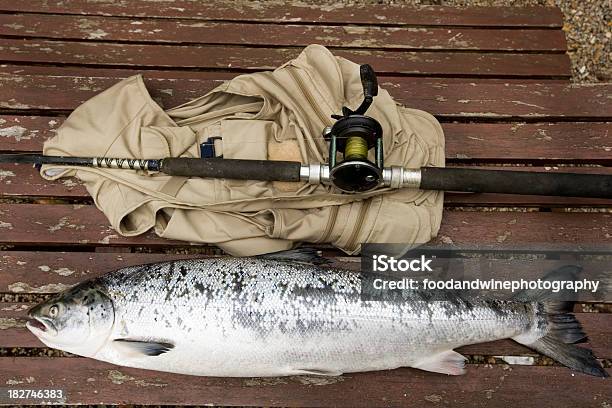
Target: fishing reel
353, 136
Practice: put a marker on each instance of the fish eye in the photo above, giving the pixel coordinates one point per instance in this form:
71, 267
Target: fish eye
53, 311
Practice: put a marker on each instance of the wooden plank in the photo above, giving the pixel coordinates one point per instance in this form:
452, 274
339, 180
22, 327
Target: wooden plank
49, 272
389, 14
93, 382
186, 31
241, 58
564, 142
189, 73
446, 99
597, 325
27, 224
22, 180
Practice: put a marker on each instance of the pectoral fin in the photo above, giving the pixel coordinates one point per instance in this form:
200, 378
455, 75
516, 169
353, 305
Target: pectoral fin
315, 371
138, 348
448, 362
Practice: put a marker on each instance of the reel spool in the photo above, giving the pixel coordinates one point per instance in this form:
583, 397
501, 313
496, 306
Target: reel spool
353, 135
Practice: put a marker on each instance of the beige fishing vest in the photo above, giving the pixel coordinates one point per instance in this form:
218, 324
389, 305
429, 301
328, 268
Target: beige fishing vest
277, 115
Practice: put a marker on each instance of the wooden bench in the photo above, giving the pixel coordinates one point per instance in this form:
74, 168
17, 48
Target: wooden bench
497, 78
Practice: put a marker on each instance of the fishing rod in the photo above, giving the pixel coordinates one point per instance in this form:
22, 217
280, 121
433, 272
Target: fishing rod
352, 136
424, 178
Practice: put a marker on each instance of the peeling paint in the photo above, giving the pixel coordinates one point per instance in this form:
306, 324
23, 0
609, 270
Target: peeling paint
358, 30
6, 225
446, 240
264, 381
10, 323
106, 240
69, 183
117, 377
14, 26
435, 398
23, 287
143, 383
528, 104
503, 237
517, 126
63, 271
96, 34
59, 271
20, 380
16, 307
63, 222
485, 114
16, 132
318, 380
13, 104
6, 173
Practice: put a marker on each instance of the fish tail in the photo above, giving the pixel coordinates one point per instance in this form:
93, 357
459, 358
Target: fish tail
556, 330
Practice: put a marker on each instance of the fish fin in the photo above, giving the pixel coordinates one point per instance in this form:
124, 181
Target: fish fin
563, 329
315, 371
138, 348
302, 255
564, 273
447, 362
574, 357
562, 325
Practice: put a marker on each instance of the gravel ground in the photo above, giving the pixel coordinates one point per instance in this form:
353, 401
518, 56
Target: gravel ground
588, 28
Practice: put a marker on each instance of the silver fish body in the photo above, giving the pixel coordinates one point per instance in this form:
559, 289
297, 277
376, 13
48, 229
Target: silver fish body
260, 317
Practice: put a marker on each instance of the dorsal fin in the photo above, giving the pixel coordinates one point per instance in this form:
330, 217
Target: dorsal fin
302, 255
564, 273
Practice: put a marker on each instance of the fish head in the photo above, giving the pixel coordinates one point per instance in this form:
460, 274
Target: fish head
78, 320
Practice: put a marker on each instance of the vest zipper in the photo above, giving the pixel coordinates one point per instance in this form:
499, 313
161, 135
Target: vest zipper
326, 121
311, 100
330, 224
358, 224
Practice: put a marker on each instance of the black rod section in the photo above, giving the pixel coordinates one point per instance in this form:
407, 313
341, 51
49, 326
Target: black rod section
40, 159
516, 182
238, 169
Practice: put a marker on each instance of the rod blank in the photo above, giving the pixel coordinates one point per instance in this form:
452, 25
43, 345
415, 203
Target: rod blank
516, 182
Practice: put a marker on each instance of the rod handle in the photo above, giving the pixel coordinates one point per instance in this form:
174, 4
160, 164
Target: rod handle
237, 169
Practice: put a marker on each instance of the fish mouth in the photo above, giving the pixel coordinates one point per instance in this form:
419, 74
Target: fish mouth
39, 325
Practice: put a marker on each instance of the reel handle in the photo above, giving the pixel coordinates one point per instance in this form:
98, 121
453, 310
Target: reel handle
370, 88
369, 81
